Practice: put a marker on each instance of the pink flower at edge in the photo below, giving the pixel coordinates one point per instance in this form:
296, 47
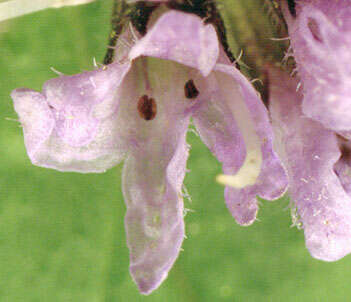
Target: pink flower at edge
318, 163
320, 36
139, 111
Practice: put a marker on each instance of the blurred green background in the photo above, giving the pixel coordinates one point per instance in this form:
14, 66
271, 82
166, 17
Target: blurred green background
62, 234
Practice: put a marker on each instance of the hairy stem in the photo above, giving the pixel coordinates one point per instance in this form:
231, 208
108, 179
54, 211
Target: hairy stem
122, 13
118, 20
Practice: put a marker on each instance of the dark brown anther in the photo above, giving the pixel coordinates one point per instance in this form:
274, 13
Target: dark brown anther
147, 108
291, 6
344, 149
190, 90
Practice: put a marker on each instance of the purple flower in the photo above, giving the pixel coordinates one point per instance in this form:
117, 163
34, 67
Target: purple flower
318, 163
320, 34
139, 111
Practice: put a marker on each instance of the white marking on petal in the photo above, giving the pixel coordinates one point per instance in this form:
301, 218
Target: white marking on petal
250, 170
248, 173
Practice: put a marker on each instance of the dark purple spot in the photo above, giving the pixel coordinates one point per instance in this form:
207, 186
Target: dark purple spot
314, 29
291, 6
147, 108
190, 90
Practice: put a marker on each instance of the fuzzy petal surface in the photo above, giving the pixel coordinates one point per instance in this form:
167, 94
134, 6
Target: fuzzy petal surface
183, 38
71, 126
154, 169
321, 42
311, 153
234, 124
36, 118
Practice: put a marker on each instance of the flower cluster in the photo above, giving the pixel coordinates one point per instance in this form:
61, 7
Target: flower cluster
138, 109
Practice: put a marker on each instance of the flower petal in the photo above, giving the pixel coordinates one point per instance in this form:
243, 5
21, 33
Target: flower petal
310, 153
83, 134
183, 38
154, 170
321, 41
36, 118
234, 125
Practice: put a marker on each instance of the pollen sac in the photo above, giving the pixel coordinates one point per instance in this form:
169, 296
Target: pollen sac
147, 108
291, 6
190, 90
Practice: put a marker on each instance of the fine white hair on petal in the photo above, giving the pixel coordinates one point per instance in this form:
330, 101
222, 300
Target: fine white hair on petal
71, 125
317, 170
15, 8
